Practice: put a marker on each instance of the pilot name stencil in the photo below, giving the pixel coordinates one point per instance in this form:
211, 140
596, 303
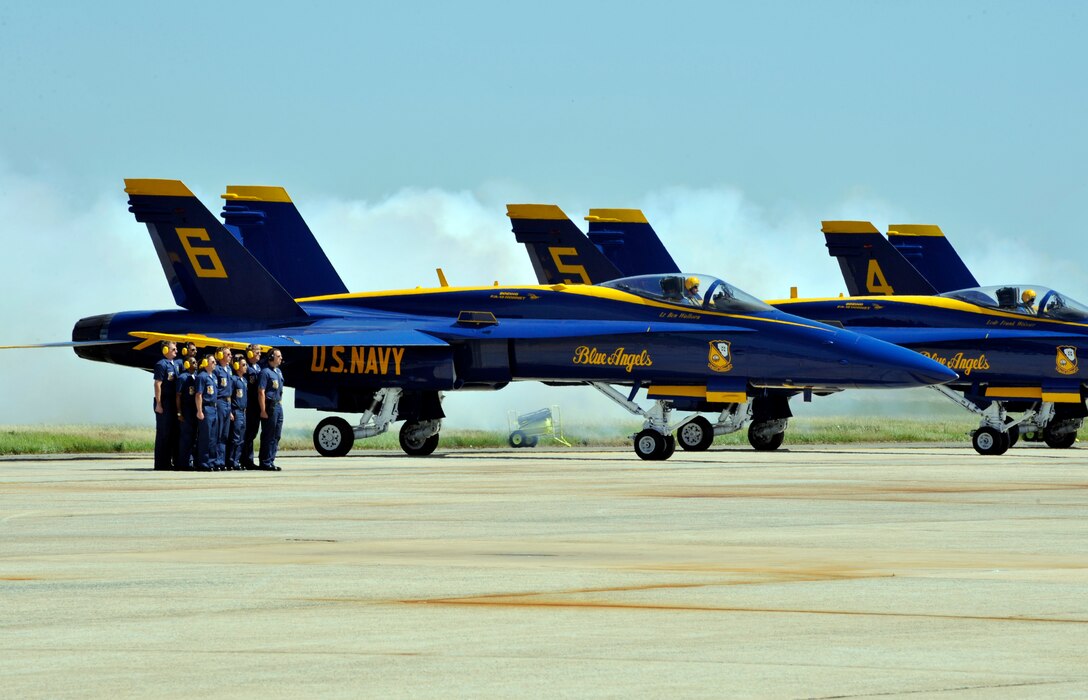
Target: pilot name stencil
341, 359
585, 355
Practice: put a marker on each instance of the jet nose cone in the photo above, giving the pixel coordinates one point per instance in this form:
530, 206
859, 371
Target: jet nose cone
898, 366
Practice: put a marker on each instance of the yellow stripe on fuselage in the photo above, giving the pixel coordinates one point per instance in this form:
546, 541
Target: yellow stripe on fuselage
1062, 396
586, 290
1015, 392
693, 392
931, 302
255, 193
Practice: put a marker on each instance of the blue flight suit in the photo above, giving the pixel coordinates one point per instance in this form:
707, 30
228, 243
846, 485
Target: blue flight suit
222, 406
271, 380
208, 431
239, 396
187, 428
253, 414
166, 422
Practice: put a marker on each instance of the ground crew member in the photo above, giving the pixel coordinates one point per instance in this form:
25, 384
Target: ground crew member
269, 395
166, 380
186, 408
253, 410
239, 397
208, 428
222, 392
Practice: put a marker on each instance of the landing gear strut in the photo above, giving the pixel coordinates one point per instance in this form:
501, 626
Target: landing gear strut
334, 436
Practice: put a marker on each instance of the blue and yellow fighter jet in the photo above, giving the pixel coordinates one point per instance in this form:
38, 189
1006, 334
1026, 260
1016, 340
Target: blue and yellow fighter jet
392, 355
1011, 353
562, 254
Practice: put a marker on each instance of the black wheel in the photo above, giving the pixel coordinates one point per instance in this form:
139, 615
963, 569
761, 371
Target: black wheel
413, 445
333, 437
758, 439
533, 440
670, 447
650, 444
1014, 435
695, 435
1059, 442
990, 441
517, 439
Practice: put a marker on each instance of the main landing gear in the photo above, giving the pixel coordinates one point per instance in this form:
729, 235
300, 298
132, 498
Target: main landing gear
656, 440
334, 436
997, 432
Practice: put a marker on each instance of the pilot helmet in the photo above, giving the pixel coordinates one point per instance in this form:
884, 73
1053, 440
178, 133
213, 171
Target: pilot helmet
691, 283
1028, 297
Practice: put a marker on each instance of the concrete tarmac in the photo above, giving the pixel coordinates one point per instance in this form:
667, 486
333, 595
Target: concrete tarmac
811, 572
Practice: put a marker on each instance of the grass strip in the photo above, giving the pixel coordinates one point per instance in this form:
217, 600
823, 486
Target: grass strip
96, 439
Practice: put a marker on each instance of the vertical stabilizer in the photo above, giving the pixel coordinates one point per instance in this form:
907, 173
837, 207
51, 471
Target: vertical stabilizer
208, 270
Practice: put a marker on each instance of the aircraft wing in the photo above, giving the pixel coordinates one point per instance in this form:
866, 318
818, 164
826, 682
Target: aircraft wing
299, 337
538, 329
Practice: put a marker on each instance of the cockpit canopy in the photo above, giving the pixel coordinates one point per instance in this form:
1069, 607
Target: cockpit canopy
690, 289
1026, 299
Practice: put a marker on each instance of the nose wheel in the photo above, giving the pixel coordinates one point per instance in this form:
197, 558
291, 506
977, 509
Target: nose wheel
990, 441
653, 446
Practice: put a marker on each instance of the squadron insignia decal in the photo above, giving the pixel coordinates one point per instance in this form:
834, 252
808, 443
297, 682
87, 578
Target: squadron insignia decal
720, 358
1067, 359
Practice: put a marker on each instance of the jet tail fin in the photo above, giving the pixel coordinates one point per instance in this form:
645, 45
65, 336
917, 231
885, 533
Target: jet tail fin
869, 264
925, 247
271, 228
629, 242
207, 268
559, 251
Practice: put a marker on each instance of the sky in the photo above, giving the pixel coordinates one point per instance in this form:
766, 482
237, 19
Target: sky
401, 132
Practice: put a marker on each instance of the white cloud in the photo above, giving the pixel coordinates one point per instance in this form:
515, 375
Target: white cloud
64, 261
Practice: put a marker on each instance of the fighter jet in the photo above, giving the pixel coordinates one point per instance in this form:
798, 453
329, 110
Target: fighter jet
391, 355
1015, 348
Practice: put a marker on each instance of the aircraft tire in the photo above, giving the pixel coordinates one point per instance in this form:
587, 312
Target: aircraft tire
764, 444
1014, 436
518, 439
414, 447
696, 435
1059, 442
533, 440
651, 445
333, 437
990, 441
670, 447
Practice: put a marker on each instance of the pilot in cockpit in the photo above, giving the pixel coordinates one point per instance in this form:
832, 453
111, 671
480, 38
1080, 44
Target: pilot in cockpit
691, 291
1027, 302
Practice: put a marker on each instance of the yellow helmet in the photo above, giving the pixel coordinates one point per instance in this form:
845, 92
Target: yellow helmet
1028, 296
691, 283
